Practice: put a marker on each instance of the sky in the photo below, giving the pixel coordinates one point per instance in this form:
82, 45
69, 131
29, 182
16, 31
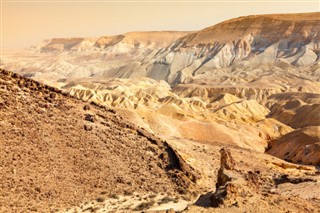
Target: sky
26, 22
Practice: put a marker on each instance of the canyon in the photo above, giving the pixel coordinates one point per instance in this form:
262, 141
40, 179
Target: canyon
251, 84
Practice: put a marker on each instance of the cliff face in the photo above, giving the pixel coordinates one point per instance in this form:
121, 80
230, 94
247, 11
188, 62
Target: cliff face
245, 42
285, 41
271, 27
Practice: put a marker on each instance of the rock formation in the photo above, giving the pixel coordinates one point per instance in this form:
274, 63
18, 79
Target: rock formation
225, 176
226, 163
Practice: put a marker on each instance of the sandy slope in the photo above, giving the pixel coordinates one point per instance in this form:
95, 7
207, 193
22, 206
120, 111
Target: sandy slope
302, 145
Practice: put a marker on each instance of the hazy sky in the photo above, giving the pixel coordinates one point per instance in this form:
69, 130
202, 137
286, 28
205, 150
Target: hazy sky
26, 23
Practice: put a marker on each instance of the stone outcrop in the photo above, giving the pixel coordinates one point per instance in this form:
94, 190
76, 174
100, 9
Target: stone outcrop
225, 186
226, 163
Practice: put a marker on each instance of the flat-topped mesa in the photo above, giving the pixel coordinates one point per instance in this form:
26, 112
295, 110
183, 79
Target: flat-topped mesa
156, 39
252, 44
252, 41
106, 41
303, 26
59, 44
160, 39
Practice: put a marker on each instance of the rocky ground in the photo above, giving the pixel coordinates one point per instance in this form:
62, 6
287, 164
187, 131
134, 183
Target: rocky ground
58, 152
62, 154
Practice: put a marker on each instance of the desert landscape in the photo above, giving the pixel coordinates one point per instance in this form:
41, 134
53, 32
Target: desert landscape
224, 119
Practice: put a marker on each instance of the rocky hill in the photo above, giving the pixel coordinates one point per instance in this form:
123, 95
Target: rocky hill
58, 152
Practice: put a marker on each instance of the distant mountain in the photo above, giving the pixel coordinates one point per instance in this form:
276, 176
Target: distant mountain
285, 41
291, 39
119, 43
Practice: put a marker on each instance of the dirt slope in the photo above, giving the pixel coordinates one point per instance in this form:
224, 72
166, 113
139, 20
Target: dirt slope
299, 146
57, 152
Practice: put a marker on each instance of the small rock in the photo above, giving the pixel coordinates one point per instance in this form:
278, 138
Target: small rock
21, 82
273, 191
87, 127
86, 107
100, 199
90, 118
38, 189
53, 96
43, 105
170, 211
